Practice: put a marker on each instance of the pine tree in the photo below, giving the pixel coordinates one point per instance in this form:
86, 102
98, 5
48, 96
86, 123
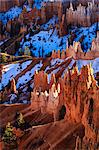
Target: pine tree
9, 136
20, 120
27, 51
4, 58
20, 51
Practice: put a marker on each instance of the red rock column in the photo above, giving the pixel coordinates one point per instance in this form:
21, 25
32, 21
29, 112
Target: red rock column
13, 86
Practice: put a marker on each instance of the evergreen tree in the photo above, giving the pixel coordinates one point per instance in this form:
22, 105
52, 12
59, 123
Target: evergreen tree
20, 51
4, 58
20, 120
27, 51
9, 136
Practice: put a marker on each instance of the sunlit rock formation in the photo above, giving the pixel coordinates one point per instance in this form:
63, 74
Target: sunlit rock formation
73, 91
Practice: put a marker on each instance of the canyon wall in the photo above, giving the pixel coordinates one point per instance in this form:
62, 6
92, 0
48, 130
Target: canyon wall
83, 16
5, 5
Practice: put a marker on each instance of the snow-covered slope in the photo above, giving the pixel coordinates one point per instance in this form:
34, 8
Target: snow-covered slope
47, 40
10, 14
94, 63
10, 71
16, 11
24, 76
28, 76
39, 3
89, 34
14, 69
44, 42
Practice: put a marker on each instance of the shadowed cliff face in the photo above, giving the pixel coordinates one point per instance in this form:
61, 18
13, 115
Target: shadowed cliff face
7, 4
